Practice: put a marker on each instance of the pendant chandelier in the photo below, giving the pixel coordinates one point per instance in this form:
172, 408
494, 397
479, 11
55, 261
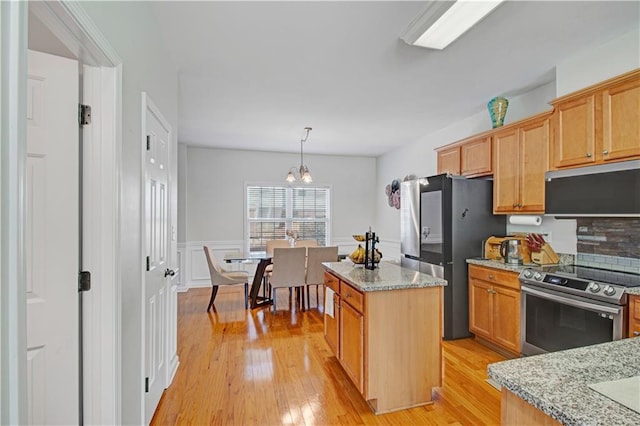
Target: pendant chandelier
303, 171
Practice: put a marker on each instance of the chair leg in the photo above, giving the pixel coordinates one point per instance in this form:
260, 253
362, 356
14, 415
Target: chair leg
214, 291
273, 298
246, 295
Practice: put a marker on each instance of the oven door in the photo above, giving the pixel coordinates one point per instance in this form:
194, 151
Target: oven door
553, 321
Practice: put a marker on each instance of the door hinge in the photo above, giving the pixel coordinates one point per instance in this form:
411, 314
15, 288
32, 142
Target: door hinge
84, 114
146, 384
84, 281
148, 142
148, 263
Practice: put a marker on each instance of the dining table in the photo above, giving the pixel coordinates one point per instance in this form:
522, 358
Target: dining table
255, 299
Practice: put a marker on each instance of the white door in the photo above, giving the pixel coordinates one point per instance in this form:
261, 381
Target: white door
158, 133
52, 240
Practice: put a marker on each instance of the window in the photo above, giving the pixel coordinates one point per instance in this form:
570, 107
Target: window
274, 210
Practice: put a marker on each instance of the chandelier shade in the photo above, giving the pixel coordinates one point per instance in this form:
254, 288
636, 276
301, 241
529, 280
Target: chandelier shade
303, 170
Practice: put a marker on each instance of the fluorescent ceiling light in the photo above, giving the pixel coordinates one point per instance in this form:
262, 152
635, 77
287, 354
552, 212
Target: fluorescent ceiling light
441, 22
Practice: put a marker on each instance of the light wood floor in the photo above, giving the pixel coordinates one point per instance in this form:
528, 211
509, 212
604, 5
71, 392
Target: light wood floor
241, 367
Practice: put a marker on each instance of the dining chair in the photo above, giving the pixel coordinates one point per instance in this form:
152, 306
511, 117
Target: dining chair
219, 276
288, 270
306, 243
272, 244
315, 271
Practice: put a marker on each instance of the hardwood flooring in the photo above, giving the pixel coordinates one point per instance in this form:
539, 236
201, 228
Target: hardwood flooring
240, 367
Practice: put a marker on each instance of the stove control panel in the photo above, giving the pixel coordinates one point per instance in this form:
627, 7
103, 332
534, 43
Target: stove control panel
570, 284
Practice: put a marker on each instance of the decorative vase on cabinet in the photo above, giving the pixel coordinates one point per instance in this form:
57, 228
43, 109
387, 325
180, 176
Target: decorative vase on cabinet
498, 110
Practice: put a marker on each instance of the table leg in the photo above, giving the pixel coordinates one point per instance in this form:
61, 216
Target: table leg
256, 300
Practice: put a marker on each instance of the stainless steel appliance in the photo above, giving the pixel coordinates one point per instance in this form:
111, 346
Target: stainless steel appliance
443, 221
603, 190
511, 251
568, 306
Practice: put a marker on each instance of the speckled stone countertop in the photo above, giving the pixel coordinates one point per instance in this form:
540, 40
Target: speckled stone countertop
501, 265
386, 276
557, 383
632, 290
519, 268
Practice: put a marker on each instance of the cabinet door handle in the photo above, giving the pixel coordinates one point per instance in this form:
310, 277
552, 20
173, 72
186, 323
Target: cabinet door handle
515, 205
488, 290
605, 152
588, 155
636, 333
491, 277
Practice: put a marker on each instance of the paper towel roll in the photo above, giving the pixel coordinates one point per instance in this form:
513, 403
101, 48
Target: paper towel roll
525, 220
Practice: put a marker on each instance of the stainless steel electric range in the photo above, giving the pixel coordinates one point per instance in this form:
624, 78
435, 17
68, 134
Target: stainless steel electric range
569, 306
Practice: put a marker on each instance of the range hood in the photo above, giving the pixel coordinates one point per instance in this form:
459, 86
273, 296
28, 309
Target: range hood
609, 190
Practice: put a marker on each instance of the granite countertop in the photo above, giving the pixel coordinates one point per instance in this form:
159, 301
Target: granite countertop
496, 264
386, 276
557, 383
490, 263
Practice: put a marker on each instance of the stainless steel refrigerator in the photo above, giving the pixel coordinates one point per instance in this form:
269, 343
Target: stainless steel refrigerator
444, 220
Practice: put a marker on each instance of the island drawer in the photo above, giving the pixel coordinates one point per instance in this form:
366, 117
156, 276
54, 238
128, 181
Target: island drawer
352, 296
332, 282
497, 276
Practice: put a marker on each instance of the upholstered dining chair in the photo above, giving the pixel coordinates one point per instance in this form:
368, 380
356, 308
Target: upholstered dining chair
315, 271
272, 244
219, 276
288, 270
306, 243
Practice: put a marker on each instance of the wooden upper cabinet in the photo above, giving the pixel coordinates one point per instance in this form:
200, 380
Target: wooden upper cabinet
470, 157
520, 162
506, 177
575, 132
449, 160
621, 121
599, 124
475, 157
533, 138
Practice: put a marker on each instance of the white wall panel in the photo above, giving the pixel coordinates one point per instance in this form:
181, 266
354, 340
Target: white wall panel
215, 189
594, 65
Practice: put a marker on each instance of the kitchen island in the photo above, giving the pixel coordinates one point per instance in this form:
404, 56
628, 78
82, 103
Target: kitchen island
554, 388
385, 328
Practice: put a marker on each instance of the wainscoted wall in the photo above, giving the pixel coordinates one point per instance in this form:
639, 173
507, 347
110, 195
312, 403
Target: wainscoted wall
193, 270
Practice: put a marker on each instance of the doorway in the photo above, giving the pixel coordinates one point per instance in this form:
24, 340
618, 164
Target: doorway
102, 66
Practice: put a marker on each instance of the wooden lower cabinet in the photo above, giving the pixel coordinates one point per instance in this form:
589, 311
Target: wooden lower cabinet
634, 316
389, 343
494, 307
516, 411
352, 343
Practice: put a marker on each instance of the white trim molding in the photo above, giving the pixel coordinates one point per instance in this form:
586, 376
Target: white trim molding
13, 328
101, 242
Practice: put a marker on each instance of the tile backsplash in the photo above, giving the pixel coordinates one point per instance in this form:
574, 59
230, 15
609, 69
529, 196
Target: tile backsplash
612, 243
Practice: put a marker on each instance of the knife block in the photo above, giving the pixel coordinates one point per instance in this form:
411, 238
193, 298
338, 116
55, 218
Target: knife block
546, 256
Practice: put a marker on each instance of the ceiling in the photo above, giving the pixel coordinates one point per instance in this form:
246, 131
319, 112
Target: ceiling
252, 75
